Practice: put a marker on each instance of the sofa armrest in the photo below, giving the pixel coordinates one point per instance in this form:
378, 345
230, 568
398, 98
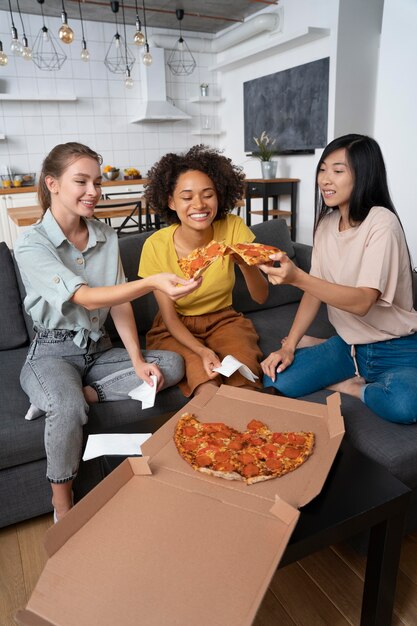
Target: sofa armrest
303, 255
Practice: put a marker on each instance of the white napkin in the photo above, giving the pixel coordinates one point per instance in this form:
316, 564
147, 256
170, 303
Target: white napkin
145, 393
230, 365
124, 444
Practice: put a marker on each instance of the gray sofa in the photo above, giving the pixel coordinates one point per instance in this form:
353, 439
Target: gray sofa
24, 491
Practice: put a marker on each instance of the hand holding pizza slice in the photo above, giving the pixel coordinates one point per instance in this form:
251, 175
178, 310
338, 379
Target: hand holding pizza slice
200, 259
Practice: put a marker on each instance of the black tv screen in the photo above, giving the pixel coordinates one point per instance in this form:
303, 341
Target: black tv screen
291, 106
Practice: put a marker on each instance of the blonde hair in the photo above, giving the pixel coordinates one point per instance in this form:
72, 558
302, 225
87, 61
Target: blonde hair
57, 161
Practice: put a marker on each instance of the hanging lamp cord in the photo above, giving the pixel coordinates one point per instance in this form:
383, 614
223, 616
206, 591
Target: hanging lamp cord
81, 20
11, 14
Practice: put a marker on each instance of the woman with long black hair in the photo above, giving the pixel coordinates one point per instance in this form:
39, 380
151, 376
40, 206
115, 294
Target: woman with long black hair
361, 269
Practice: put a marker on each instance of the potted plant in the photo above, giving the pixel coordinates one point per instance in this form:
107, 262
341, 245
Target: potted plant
265, 153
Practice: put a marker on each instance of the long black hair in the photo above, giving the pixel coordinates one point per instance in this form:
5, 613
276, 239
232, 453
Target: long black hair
370, 186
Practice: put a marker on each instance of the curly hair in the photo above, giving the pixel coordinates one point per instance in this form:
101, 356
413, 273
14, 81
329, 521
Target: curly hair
228, 180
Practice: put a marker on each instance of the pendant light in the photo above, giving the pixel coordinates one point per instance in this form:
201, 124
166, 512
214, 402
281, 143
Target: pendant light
128, 79
65, 33
3, 56
26, 51
118, 57
180, 61
138, 37
85, 55
16, 47
47, 54
147, 57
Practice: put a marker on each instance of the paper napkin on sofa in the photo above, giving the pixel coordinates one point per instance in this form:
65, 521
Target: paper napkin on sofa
120, 443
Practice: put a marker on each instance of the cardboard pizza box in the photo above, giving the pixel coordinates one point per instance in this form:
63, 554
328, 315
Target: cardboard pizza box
159, 543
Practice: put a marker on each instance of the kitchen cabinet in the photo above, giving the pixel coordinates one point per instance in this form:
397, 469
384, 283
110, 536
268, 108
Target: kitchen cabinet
8, 230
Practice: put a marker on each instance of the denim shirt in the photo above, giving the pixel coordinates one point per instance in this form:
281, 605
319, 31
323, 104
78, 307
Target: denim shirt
52, 269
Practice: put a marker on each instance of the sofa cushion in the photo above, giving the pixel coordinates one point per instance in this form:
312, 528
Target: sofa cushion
12, 325
144, 308
391, 445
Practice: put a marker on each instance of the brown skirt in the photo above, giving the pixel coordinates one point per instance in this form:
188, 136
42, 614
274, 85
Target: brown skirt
225, 332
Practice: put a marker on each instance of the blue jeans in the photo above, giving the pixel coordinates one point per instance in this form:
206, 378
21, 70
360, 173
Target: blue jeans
388, 367
53, 376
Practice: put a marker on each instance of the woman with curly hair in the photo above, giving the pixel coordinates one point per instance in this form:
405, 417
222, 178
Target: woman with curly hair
194, 193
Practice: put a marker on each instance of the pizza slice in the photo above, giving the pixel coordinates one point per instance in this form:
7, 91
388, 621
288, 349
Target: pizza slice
253, 253
256, 455
193, 265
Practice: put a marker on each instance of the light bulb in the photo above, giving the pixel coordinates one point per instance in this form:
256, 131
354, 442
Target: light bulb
139, 38
66, 34
181, 44
27, 53
16, 47
147, 57
3, 58
45, 34
117, 40
85, 55
128, 79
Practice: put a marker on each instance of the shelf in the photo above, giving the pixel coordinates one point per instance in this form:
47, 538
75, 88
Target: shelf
17, 98
202, 131
206, 99
272, 45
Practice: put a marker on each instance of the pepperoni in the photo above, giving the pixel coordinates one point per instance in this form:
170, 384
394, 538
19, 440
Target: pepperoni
255, 425
256, 441
225, 466
222, 456
189, 431
273, 464
197, 263
220, 435
246, 458
250, 470
279, 438
190, 445
269, 447
213, 250
291, 453
203, 460
235, 444
300, 440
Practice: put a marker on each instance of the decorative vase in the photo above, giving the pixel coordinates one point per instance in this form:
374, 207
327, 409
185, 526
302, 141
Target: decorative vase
269, 169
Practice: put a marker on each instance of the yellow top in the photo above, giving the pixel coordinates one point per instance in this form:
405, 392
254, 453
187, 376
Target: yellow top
215, 293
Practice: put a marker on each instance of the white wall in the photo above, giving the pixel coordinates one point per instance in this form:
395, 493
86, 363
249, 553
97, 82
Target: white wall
395, 113
297, 15
100, 117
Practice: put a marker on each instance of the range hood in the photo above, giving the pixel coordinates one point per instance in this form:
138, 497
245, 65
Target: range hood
155, 106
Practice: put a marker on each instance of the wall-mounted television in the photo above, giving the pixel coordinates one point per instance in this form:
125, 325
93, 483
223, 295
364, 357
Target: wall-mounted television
291, 106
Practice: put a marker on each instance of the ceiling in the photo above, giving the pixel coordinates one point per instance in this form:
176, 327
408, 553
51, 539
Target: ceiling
205, 16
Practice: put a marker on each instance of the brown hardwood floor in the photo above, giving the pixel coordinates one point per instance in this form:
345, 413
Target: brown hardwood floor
324, 589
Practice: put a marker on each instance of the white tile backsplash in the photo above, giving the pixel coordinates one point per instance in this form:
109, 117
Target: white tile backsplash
104, 107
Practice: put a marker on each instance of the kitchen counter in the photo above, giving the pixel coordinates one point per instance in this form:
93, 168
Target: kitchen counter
106, 183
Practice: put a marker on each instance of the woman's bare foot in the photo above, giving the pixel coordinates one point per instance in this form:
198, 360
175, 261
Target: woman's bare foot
351, 386
90, 394
307, 341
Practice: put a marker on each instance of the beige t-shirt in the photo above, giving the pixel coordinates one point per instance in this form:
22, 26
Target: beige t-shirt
373, 254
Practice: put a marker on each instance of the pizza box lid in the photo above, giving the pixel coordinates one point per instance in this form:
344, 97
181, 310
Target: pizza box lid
155, 543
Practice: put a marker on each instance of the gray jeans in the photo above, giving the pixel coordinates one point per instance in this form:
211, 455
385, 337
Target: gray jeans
53, 376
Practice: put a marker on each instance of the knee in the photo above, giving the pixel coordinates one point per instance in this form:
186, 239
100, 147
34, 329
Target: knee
73, 405
174, 369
